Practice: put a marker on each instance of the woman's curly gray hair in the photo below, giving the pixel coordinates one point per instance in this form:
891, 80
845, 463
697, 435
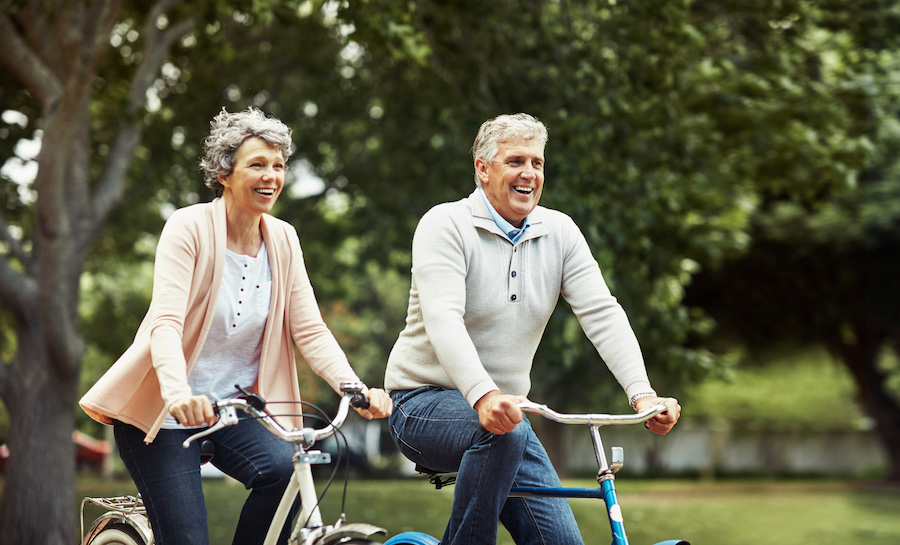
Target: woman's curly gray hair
227, 131
505, 128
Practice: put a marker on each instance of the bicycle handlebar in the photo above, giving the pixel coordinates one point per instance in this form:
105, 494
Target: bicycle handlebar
593, 419
227, 411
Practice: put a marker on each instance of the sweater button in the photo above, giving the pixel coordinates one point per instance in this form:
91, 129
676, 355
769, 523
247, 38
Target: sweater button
513, 274
513, 298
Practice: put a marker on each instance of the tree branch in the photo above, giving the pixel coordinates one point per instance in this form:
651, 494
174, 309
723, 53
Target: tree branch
98, 23
34, 24
5, 380
128, 136
155, 53
17, 291
23, 61
15, 247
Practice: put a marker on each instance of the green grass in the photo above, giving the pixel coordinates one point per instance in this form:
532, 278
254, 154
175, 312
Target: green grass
716, 513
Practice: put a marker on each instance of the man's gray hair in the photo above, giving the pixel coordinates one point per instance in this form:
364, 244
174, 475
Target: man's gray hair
227, 131
505, 128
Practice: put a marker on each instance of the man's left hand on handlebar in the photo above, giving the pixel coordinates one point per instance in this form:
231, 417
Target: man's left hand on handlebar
380, 405
663, 422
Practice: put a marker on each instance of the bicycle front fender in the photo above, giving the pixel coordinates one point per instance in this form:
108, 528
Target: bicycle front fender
412, 538
359, 530
673, 542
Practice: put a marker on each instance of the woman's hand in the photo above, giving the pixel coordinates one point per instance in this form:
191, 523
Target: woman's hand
663, 422
380, 404
193, 411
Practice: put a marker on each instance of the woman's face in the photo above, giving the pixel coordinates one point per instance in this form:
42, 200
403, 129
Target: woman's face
257, 178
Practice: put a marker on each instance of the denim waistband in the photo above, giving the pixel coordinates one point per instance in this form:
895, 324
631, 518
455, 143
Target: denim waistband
401, 396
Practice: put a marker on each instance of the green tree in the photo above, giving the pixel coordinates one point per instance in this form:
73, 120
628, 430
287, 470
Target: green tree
669, 122
84, 77
822, 269
55, 51
120, 96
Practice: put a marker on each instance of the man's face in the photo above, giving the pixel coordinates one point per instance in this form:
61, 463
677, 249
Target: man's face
514, 179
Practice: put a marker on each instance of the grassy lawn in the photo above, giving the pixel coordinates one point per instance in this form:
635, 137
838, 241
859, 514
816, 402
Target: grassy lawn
718, 513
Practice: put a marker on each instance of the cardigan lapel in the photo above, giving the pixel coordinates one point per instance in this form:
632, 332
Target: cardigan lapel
219, 226
276, 305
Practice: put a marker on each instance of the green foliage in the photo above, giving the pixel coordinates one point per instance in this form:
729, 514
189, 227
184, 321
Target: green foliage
789, 393
670, 123
673, 126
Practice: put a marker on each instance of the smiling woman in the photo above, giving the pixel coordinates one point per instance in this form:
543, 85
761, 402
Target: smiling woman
231, 296
251, 190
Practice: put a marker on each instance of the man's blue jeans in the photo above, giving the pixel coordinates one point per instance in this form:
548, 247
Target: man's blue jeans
438, 429
168, 478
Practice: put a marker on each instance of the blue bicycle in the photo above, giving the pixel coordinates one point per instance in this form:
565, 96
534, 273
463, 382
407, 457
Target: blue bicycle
605, 474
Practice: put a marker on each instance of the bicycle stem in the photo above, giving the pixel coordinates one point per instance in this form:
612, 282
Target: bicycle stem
606, 479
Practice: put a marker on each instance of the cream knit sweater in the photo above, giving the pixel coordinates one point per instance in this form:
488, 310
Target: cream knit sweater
478, 304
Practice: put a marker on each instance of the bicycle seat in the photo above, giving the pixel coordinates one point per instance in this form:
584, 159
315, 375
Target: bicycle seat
438, 478
207, 451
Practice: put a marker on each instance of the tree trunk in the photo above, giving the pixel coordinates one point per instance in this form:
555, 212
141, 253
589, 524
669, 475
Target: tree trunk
41, 386
38, 496
862, 360
56, 48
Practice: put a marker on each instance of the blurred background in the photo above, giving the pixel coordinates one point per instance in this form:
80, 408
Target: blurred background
733, 165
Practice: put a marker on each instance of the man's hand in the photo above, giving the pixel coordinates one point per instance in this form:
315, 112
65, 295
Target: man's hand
499, 413
193, 411
663, 422
380, 404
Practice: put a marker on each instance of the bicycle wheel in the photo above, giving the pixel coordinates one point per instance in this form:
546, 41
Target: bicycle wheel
412, 538
118, 534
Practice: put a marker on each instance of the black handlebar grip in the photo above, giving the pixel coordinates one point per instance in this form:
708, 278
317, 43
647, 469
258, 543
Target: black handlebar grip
253, 399
360, 401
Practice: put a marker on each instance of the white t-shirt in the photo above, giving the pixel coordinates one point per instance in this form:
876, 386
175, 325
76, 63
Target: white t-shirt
231, 352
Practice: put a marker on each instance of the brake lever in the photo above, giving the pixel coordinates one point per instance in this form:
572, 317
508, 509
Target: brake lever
227, 417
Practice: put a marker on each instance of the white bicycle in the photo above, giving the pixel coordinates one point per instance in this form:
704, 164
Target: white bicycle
125, 521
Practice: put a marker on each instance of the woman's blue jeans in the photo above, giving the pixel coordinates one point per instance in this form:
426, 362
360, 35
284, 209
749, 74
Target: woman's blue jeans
168, 478
438, 429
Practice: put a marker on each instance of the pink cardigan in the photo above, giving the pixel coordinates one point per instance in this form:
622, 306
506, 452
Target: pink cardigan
187, 276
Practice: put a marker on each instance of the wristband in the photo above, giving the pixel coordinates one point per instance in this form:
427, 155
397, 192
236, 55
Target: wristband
640, 395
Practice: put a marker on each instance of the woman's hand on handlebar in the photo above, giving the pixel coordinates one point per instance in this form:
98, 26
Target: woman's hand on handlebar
663, 422
193, 411
380, 405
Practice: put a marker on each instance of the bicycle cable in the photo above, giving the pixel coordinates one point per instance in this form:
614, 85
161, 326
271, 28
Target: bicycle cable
340, 454
321, 416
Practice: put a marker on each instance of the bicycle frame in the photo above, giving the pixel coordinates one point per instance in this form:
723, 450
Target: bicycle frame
605, 473
309, 528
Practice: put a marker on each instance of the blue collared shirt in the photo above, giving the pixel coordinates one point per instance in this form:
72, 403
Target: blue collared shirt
512, 232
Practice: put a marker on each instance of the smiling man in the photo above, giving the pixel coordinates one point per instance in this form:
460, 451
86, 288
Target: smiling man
487, 273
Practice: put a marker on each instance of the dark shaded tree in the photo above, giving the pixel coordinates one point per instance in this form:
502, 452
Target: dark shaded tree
822, 267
